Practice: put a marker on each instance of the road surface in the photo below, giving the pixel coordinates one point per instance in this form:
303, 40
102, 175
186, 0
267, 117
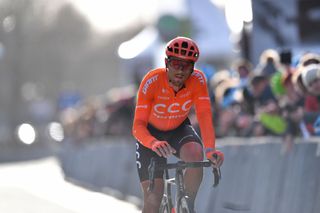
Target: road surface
39, 187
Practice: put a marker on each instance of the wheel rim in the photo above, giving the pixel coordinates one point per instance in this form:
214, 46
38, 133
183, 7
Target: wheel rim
184, 206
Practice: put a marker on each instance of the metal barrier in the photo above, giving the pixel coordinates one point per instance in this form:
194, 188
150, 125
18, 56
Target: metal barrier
256, 176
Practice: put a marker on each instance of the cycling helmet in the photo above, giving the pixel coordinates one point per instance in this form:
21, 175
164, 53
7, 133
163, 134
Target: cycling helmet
183, 48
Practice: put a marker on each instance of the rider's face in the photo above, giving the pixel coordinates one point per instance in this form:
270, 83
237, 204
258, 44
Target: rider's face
179, 70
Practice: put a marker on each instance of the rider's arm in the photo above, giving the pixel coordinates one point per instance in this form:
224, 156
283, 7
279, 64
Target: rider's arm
204, 113
142, 111
205, 119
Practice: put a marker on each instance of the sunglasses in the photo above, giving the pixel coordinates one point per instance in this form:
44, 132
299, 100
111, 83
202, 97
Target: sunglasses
179, 64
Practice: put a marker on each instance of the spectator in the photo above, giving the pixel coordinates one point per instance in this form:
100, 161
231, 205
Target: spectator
243, 68
260, 103
269, 63
218, 78
311, 79
291, 103
310, 76
227, 96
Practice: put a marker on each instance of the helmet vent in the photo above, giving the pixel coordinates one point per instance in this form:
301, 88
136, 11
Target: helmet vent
184, 44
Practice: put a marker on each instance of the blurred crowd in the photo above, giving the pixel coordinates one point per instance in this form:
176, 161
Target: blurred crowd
280, 96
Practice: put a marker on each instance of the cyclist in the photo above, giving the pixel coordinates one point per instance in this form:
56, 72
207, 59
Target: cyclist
161, 125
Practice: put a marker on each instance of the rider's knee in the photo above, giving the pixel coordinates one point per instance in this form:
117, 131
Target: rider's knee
191, 152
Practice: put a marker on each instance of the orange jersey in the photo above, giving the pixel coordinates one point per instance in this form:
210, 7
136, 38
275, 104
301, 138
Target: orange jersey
159, 105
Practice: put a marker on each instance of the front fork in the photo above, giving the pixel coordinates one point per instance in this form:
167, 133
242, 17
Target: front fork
180, 186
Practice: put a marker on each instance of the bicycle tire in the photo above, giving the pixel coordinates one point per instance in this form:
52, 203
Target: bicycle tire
183, 205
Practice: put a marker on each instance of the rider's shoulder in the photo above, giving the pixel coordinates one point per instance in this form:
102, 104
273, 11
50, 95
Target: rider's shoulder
155, 73
198, 76
152, 80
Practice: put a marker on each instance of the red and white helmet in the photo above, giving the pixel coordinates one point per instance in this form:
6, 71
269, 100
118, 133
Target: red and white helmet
183, 48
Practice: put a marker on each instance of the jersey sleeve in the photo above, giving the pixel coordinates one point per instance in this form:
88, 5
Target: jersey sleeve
203, 111
143, 109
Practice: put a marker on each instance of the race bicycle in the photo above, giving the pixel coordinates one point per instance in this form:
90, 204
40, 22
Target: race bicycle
180, 203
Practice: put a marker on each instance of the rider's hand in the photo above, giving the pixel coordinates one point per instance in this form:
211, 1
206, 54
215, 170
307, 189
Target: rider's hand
162, 148
215, 156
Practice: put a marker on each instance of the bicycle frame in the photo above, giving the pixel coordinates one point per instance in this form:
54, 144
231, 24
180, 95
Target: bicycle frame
178, 181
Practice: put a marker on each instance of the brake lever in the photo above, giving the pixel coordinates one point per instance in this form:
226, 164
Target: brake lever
216, 173
217, 176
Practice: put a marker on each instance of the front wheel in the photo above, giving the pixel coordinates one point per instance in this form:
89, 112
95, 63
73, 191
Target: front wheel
184, 206
165, 206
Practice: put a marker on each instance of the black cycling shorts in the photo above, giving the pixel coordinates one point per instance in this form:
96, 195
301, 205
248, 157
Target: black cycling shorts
183, 134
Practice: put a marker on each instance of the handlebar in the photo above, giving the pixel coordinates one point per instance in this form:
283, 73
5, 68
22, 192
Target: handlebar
154, 166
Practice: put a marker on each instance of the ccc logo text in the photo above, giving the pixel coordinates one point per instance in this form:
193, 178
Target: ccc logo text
172, 108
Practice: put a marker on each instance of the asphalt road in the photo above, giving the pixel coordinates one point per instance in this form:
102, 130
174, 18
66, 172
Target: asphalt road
38, 186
